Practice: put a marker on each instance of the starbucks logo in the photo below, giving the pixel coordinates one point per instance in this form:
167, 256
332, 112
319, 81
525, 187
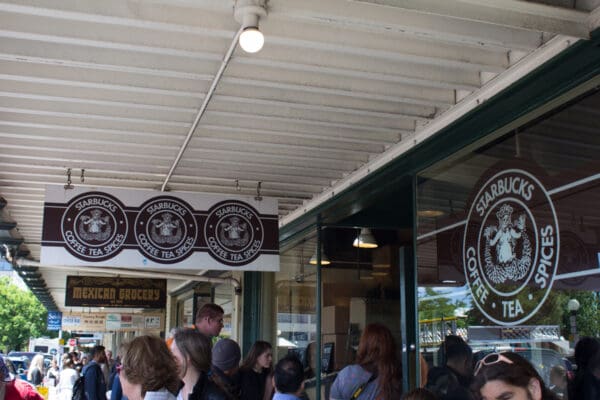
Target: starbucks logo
234, 233
510, 247
166, 230
94, 226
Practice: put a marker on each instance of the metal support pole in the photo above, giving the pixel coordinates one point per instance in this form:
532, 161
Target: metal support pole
318, 306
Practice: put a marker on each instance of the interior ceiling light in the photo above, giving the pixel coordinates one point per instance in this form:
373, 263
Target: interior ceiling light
365, 239
430, 213
324, 259
248, 14
379, 273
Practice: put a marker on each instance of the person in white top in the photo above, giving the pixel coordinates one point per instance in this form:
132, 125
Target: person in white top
67, 378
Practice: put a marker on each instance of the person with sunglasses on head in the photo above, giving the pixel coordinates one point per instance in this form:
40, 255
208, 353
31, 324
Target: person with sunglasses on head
209, 320
504, 376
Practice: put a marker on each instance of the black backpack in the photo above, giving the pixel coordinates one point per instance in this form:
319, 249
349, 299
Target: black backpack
79, 389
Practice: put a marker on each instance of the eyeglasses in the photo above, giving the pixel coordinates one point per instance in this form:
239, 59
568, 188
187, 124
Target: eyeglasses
491, 359
219, 321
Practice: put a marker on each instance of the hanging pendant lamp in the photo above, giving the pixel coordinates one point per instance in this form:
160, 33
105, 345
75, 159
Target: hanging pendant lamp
365, 239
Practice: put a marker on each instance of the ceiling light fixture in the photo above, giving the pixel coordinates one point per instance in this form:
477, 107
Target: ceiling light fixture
324, 259
430, 213
248, 14
365, 239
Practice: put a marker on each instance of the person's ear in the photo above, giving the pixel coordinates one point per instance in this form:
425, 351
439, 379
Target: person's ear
273, 382
535, 389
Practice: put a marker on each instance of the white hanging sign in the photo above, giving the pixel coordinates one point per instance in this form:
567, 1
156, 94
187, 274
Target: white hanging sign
149, 229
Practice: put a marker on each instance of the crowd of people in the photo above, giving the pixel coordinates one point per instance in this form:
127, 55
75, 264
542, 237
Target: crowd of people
192, 365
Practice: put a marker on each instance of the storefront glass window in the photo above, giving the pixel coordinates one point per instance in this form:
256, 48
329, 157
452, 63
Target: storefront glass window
358, 286
508, 233
295, 286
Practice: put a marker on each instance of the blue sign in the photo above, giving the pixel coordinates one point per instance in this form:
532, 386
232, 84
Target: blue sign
54, 320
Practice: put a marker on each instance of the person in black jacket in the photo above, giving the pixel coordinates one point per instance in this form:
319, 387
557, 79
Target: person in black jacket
452, 381
226, 357
95, 385
255, 372
192, 351
587, 350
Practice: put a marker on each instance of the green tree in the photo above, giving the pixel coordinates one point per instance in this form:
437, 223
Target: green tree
433, 304
21, 316
588, 315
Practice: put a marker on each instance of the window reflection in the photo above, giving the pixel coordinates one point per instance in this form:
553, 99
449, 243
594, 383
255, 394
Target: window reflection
510, 232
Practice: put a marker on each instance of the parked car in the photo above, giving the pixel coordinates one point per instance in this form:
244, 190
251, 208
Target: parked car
28, 354
21, 365
9, 365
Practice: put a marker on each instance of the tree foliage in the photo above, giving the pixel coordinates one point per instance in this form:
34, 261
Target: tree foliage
554, 312
21, 316
433, 304
588, 315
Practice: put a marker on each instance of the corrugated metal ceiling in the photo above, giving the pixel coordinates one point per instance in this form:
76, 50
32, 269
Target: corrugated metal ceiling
113, 88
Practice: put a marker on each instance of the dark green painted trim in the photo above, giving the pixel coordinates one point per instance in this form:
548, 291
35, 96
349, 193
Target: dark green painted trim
251, 309
576, 65
319, 308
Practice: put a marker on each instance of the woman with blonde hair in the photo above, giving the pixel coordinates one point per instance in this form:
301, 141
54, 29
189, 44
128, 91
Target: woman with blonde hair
148, 370
376, 374
35, 374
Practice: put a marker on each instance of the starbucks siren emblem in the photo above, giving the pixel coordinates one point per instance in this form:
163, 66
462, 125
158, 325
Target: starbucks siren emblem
234, 233
94, 226
166, 229
505, 240
510, 247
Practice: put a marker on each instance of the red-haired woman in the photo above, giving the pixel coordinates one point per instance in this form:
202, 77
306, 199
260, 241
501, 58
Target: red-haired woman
376, 374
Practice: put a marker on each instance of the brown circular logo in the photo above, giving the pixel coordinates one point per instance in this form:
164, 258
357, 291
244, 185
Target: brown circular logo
234, 233
94, 226
166, 229
511, 247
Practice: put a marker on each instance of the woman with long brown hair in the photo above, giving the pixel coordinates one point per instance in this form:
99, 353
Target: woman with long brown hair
192, 351
255, 372
376, 374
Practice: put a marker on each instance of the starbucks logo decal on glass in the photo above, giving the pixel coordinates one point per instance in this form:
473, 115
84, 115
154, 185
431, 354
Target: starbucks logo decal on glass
510, 247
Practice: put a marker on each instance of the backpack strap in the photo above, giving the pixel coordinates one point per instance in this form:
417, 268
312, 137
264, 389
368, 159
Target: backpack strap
362, 387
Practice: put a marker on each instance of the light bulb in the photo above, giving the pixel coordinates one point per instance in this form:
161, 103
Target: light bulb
251, 39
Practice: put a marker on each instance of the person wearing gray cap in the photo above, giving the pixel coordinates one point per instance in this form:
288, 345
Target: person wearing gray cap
226, 357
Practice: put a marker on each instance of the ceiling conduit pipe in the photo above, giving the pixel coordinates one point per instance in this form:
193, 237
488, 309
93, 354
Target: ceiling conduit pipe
202, 109
21, 262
